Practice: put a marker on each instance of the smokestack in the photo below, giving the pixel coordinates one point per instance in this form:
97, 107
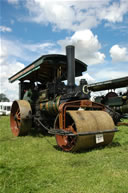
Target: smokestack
70, 52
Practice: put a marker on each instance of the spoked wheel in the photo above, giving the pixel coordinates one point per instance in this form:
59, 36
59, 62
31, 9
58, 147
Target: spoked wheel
20, 117
65, 142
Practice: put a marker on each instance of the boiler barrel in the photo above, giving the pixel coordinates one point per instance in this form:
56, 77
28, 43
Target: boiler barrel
51, 107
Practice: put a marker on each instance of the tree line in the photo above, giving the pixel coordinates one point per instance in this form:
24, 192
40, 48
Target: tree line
3, 98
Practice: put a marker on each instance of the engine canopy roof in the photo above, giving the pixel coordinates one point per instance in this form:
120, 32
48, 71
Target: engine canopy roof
45, 67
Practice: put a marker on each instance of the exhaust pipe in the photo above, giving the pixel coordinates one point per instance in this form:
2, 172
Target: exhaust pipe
70, 52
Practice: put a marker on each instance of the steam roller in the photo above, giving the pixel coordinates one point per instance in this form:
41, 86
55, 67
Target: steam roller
84, 129
87, 127
51, 106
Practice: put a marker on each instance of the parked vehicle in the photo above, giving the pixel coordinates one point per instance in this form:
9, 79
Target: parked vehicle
5, 108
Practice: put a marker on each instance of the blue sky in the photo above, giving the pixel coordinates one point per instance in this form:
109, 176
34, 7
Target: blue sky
31, 28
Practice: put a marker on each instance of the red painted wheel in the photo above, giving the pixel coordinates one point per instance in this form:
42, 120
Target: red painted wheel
66, 143
20, 117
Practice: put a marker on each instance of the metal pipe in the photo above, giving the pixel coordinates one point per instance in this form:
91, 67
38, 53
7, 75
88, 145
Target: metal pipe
69, 133
70, 52
20, 90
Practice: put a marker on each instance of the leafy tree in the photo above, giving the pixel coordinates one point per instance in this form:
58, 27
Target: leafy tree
3, 98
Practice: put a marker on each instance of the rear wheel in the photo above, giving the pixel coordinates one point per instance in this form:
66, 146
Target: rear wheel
20, 117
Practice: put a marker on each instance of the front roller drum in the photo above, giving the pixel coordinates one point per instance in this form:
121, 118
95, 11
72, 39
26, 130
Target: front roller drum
20, 117
85, 122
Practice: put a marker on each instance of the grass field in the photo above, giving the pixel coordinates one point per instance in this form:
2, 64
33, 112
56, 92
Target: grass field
34, 165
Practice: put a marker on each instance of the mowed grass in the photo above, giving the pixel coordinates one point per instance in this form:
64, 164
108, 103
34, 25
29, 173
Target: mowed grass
34, 165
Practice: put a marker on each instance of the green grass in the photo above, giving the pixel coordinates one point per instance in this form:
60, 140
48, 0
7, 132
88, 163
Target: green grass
34, 165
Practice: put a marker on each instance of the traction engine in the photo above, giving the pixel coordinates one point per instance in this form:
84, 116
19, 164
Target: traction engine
52, 103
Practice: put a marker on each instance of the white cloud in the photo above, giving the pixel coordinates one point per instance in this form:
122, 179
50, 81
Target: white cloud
5, 29
86, 45
12, 48
39, 47
58, 13
7, 69
11, 90
13, 1
109, 73
75, 15
85, 76
70, 15
115, 11
119, 54
25, 51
